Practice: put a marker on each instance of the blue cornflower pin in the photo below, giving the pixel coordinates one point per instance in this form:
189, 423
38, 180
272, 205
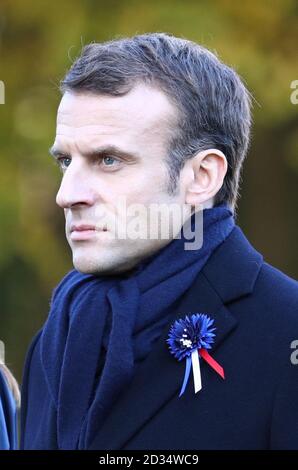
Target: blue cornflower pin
190, 338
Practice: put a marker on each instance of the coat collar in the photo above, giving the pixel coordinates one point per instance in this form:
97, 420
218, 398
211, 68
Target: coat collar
230, 273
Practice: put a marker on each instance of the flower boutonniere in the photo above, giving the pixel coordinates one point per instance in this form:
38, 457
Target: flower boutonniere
190, 338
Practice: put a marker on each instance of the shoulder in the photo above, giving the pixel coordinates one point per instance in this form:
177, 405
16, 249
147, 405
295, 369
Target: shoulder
271, 307
278, 279
278, 292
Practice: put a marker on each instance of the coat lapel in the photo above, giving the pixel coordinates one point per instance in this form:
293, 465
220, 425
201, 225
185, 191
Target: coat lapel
229, 273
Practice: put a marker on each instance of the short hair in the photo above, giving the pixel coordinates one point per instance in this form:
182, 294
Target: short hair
213, 103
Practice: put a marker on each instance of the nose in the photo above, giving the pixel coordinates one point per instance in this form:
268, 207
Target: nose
75, 188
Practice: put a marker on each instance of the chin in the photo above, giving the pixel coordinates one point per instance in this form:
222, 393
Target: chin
86, 265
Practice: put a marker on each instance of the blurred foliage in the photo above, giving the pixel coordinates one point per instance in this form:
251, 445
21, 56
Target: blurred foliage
39, 40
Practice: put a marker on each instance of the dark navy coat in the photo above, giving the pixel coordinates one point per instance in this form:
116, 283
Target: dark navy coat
255, 308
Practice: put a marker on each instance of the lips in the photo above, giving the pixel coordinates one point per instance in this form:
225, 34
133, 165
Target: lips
81, 228
82, 232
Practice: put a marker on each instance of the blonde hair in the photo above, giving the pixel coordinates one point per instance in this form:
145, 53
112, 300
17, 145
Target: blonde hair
12, 383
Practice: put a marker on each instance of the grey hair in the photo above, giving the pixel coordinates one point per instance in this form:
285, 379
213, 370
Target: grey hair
213, 103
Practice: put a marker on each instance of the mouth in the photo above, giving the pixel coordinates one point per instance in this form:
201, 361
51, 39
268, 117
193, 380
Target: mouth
84, 231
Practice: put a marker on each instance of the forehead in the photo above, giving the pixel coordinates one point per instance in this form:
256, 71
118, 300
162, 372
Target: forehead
144, 113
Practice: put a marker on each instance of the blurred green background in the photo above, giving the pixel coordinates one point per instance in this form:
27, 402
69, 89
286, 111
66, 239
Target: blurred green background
38, 41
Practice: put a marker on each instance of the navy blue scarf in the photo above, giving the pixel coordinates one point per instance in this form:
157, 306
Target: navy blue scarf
100, 328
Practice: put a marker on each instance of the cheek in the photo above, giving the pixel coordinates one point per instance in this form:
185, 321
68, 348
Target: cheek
145, 194
150, 186
139, 185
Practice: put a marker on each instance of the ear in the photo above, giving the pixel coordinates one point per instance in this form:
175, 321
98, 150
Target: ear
207, 169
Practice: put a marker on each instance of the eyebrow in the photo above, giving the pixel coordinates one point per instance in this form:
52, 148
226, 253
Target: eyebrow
98, 152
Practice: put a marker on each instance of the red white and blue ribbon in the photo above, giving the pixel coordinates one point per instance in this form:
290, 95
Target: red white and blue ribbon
189, 339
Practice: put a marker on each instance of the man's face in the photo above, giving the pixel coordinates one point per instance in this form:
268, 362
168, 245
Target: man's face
112, 149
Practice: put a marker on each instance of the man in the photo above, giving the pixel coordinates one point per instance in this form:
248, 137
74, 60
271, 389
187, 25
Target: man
160, 122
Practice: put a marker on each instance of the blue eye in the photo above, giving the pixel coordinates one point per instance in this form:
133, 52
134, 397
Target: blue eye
109, 160
64, 162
